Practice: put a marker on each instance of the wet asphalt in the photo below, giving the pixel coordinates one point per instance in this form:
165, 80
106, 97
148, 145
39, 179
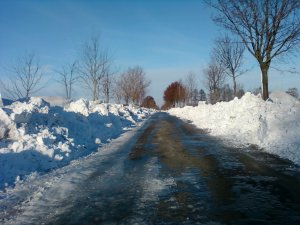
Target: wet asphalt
174, 173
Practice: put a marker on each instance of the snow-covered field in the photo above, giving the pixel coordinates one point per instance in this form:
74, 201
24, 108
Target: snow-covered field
37, 137
273, 125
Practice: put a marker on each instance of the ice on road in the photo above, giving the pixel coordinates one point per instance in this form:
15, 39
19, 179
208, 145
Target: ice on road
167, 172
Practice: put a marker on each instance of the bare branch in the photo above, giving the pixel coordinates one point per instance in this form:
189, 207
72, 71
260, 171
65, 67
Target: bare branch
94, 66
215, 78
68, 75
229, 54
190, 84
132, 85
25, 79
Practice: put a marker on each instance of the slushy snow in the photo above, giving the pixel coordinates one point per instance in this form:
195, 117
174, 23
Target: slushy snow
272, 125
37, 137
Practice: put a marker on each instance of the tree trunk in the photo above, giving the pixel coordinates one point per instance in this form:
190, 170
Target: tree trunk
264, 81
69, 92
27, 94
234, 86
95, 97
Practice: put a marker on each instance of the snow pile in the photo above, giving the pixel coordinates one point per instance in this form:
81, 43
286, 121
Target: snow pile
273, 125
37, 137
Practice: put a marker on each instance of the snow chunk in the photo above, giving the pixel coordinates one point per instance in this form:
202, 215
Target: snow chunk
81, 106
7, 126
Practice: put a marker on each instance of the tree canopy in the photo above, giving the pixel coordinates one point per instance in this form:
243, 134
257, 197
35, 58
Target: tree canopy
175, 94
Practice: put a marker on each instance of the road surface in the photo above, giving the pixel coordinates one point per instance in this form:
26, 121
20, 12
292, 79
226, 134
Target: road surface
169, 173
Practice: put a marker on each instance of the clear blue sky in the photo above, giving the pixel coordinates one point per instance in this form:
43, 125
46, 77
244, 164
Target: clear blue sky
168, 38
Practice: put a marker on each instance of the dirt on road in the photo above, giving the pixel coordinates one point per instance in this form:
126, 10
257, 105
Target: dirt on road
170, 173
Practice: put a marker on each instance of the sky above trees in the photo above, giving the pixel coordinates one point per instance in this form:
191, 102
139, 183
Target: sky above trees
168, 39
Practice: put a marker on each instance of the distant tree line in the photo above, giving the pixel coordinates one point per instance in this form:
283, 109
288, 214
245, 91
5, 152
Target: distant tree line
177, 94
267, 29
93, 71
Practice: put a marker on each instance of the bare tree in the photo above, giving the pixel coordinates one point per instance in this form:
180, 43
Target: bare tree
240, 91
123, 89
195, 97
117, 90
180, 94
94, 66
132, 85
268, 28
190, 83
107, 84
68, 75
214, 77
230, 54
26, 78
226, 93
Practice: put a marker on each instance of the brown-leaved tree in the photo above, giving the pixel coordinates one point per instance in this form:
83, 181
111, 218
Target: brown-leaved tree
149, 102
175, 94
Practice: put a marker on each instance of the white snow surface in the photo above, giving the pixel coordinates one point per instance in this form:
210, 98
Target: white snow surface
273, 125
37, 137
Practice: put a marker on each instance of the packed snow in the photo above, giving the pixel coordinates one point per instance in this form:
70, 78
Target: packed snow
272, 125
37, 137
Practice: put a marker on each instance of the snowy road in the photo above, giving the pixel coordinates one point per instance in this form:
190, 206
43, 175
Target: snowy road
168, 172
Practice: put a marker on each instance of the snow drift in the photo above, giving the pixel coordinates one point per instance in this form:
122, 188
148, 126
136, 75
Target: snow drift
273, 125
37, 137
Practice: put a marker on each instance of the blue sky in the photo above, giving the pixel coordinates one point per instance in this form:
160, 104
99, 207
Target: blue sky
168, 38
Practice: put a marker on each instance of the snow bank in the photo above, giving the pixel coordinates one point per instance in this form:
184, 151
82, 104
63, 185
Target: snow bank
37, 137
273, 125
